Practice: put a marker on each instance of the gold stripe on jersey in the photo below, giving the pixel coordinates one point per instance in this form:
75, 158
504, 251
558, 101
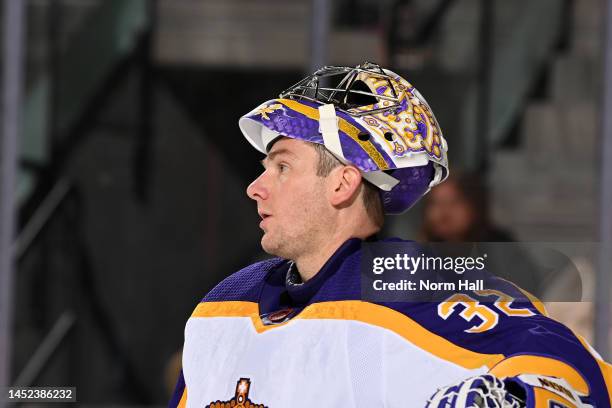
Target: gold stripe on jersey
525, 364
604, 367
183, 402
369, 313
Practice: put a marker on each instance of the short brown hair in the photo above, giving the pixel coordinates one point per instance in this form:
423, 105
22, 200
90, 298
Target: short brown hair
371, 194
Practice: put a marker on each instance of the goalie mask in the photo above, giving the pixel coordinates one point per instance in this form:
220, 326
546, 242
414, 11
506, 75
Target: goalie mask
366, 116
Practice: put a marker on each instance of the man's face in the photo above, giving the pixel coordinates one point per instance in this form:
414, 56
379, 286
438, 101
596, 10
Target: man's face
291, 200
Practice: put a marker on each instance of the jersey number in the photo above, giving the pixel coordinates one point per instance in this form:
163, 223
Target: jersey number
471, 308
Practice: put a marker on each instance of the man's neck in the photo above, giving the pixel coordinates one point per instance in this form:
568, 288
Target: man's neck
310, 264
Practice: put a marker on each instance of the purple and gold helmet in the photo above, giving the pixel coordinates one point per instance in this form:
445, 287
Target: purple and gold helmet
366, 116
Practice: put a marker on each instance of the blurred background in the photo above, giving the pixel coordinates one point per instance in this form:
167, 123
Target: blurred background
130, 170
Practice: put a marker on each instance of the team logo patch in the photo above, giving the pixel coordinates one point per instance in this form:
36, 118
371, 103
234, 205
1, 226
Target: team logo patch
241, 398
278, 317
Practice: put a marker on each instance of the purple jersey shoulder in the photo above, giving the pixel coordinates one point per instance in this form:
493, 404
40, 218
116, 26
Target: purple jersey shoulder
245, 284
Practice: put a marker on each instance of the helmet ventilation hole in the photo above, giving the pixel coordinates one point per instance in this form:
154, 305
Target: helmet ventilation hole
364, 136
389, 136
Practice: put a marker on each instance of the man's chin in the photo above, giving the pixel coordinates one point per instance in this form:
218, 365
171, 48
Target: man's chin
266, 245
270, 246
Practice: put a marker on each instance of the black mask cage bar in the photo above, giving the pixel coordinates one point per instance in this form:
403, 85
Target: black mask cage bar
346, 89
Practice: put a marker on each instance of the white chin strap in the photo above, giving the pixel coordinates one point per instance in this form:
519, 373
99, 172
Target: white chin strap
328, 126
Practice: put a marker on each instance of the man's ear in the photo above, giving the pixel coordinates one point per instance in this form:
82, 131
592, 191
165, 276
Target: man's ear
344, 185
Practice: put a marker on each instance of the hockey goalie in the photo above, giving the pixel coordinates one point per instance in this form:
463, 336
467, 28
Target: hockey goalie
343, 148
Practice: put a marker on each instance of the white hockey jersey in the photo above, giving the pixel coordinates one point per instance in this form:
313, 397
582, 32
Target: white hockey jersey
257, 340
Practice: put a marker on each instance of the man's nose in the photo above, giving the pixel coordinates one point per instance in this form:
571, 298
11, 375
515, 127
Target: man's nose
257, 189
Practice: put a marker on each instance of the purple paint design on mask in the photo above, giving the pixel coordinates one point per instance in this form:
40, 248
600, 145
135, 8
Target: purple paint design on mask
414, 182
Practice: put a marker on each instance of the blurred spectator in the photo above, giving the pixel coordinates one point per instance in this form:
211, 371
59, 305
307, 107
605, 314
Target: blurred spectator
458, 211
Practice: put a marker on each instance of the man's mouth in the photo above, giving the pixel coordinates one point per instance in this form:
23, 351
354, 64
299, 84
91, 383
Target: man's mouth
264, 216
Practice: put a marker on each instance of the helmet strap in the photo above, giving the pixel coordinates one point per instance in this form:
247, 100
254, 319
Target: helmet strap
438, 175
328, 126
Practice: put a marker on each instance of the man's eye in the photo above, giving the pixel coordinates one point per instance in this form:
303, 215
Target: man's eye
282, 167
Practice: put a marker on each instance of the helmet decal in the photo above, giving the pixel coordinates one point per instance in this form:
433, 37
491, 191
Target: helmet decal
411, 126
263, 110
300, 119
384, 125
